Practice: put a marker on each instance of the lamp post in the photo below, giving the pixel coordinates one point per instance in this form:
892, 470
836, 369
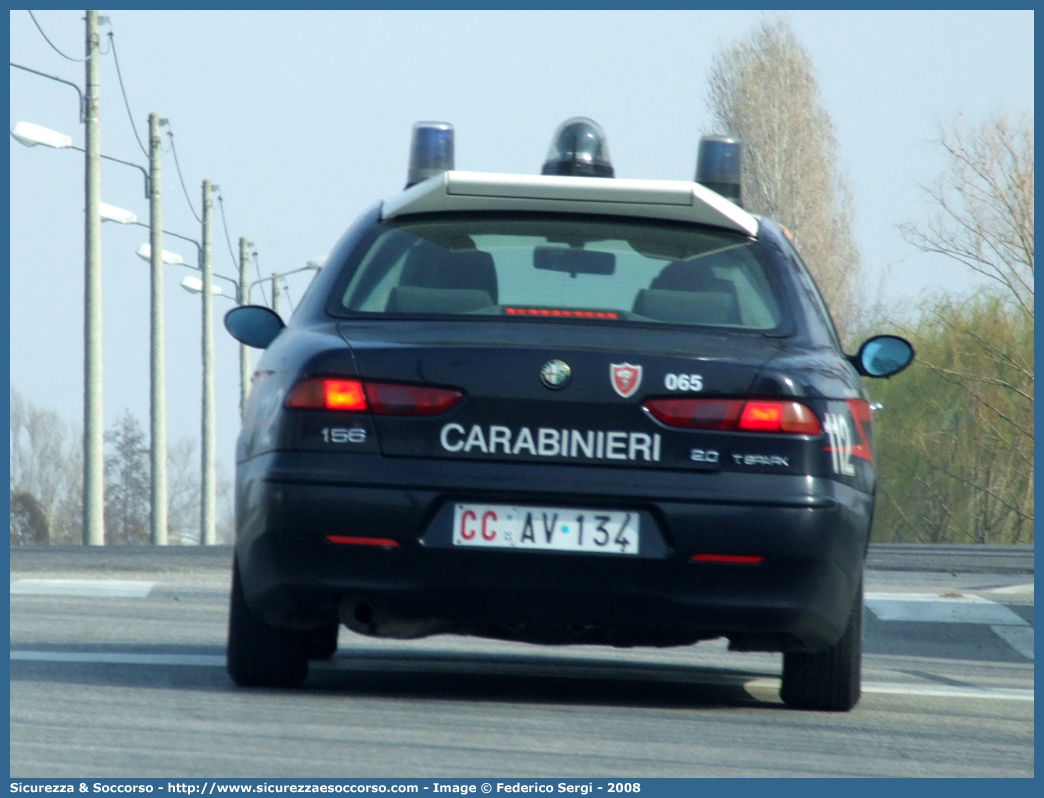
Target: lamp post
208, 531
157, 357
31, 135
205, 287
93, 417
243, 298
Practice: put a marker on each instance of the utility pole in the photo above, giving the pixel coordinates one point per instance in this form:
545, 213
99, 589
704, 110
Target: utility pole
93, 418
243, 299
275, 292
158, 387
207, 534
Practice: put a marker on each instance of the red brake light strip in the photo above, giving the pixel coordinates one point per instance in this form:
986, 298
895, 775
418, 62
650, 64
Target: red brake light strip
729, 559
563, 313
351, 540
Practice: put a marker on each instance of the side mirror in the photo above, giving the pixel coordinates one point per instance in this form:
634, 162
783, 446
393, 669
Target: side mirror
883, 356
254, 325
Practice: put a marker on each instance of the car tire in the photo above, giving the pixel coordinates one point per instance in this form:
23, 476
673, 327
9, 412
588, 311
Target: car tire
322, 642
828, 680
260, 655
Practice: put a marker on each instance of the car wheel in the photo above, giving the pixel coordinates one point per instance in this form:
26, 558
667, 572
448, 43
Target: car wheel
828, 680
322, 642
260, 655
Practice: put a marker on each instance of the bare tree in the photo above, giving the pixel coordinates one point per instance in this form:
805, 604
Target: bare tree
185, 487
45, 475
983, 205
184, 492
226, 511
982, 216
762, 90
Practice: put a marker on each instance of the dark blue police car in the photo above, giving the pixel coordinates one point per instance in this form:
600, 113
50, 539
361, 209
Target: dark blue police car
563, 408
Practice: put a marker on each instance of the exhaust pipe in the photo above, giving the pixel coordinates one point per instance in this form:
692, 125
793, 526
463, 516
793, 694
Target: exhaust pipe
370, 618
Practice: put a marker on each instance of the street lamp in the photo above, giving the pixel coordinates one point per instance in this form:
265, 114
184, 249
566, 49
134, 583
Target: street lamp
110, 213
170, 258
32, 135
93, 417
195, 286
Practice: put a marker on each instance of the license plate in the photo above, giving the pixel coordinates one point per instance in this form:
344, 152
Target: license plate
545, 529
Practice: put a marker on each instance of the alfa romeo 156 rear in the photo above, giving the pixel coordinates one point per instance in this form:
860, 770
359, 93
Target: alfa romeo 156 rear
559, 408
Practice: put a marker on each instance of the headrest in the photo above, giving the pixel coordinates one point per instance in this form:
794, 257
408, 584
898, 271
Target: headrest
429, 266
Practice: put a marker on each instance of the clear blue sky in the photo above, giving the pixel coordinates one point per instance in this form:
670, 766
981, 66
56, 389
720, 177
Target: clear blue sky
303, 119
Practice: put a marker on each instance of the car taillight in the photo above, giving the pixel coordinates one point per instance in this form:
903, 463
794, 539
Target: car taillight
343, 395
327, 394
380, 398
736, 414
409, 400
697, 413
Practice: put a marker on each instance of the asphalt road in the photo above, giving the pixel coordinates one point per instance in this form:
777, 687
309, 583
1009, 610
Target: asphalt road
117, 669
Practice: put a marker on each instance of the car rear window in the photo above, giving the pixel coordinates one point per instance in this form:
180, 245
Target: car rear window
564, 267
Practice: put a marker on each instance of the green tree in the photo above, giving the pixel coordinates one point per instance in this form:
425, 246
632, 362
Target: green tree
28, 521
957, 430
957, 456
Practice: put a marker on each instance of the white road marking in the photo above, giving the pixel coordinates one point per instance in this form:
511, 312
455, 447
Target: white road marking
1019, 591
752, 686
936, 608
96, 658
946, 691
1019, 638
90, 588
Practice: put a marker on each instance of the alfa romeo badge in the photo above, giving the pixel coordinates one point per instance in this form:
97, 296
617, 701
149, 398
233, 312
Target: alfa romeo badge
556, 374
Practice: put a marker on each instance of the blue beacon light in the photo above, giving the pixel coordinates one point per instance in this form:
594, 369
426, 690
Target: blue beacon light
431, 151
578, 149
718, 166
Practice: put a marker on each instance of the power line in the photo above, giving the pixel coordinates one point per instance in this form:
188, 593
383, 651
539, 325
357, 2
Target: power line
123, 90
63, 55
181, 177
260, 283
228, 238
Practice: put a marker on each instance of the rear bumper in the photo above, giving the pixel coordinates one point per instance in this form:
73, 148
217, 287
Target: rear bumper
812, 534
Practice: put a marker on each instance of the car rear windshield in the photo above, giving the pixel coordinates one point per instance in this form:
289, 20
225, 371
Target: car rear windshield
557, 267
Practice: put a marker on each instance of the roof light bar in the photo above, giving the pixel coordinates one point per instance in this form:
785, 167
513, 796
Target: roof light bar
719, 166
431, 151
579, 149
